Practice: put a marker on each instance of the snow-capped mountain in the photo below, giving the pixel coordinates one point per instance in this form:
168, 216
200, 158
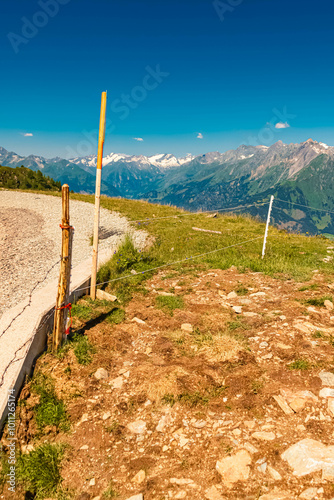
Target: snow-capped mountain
161, 161
302, 172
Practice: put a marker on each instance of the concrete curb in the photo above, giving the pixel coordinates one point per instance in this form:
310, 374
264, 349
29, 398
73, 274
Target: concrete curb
34, 323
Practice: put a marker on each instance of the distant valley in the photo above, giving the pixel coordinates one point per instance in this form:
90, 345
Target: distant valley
299, 173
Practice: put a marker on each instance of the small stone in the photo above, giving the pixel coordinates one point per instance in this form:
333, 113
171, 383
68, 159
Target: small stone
137, 427
181, 494
263, 467
250, 424
92, 482
283, 346
329, 305
330, 403
97, 498
277, 495
106, 415
309, 494
264, 436
308, 456
101, 374
328, 473
187, 327
139, 477
298, 404
183, 441
234, 468
327, 378
199, 424
117, 383
165, 448
326, 392
250, 314
181, 481
136, 497
274, 474
84, 447
164, 421
236, 432
232, 295
249, 447
245, 302
102, 295
283, 405
139, 321
258, 294
213, 494
133, 271
237, 309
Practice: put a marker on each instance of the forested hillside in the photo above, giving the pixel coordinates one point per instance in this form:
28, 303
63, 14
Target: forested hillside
24, 178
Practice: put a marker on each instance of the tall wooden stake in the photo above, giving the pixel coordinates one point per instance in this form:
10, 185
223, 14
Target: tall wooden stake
65, 272
97, 194
267, 227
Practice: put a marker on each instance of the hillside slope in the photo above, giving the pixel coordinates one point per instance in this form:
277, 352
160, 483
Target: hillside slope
209, 378
24, 178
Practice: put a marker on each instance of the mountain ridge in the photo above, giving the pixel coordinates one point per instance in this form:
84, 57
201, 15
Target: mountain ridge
298, 172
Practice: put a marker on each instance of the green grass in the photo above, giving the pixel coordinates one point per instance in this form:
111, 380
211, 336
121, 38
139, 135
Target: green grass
169, 303
50, 411
83, 349
319, 335
241, 290
283, 259
314, 286
116, 316
236, 325
318, 301
39, 472
110, 492
125, 260
300, 364
196, 398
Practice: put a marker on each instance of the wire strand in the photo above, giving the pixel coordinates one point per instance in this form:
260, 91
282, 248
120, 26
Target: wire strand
171, 264
199, 213
306, 206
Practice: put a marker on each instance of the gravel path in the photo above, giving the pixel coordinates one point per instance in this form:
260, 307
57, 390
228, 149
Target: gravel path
30, 240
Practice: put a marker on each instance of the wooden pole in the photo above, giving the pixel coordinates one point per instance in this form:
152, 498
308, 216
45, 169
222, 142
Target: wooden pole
97, 194
65, 272
267, 227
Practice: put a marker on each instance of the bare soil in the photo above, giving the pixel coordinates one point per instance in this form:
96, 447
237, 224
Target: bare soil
207, 391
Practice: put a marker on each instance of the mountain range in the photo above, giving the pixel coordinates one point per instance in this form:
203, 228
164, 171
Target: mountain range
299, 173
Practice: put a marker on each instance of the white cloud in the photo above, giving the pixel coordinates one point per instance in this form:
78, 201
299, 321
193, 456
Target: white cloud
28, 134
282, 125
200, 136
139, 139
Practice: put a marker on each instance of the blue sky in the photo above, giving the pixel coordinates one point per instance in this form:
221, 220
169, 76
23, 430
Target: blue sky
173, 70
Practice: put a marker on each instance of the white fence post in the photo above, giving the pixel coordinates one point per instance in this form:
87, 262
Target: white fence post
267, 227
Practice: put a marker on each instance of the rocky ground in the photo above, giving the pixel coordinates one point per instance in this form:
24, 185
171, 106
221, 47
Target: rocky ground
231, 397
